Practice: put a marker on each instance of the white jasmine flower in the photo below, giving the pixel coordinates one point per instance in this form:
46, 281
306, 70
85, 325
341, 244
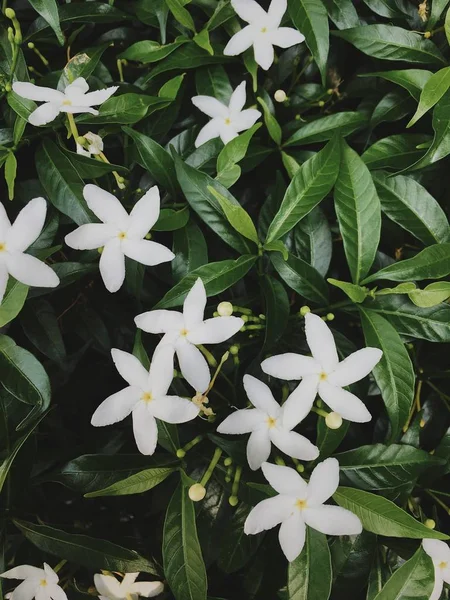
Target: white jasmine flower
74, 99
226, 121
41, 584
439, 553
269, 423
120, 233
15, 239
183, 331
109, 588
145, 398
323, 373
95, 144
263, 31
299, 504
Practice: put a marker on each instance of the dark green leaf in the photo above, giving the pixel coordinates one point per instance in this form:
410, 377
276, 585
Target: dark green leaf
301, 277
147, 51
48, 10
189, 247
395, 152
432, 92
323, 128
273, 127
414, 580
412, 80
134, 484
309, 575
276, 309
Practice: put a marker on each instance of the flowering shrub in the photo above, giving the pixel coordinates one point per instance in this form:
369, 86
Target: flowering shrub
224, 286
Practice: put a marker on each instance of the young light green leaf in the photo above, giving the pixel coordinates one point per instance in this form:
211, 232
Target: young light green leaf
237, 216
272, 124
277, 246
235, 151
432, 92
137, 483
290, 164
309, 575
431, 295
355, 292
10, 173
202, 40
301, 277
414, 580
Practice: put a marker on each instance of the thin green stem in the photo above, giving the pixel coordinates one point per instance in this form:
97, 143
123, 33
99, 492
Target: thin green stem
212, 465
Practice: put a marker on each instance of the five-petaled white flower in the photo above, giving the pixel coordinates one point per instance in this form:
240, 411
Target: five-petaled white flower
263, 31
184, 330
145, 397
15, 239
120, 233
269, 423
299, 504
41, 584
323, 373
74, 99
109, 588
95, 144
439, 552
226, 121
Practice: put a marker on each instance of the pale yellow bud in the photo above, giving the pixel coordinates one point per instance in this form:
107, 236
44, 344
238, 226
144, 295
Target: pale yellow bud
304, 310
225, 309
430, 523
280, 96
197, 492
333, 420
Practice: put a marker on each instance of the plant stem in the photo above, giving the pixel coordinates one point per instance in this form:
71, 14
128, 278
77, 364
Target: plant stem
439, 501
212, 465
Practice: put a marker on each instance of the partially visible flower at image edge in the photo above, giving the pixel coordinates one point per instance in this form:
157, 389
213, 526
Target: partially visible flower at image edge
41, 584
109, 588
439, 552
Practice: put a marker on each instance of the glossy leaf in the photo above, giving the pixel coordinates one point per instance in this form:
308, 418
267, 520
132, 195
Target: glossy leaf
432, 92
137, 483
309, 575
276, 303
395, 152
301, 277
414, 580
323, 128
48, 9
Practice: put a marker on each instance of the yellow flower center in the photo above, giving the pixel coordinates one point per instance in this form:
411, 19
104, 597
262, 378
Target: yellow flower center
323, 376
43, 582
264, 30
67, 102
2, 247
184, 332
271, 422
443, 564
301, 504
147, 397
227, 121
122, 235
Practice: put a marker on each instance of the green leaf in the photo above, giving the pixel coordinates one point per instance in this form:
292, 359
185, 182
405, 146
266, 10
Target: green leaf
202, 40
382, 516
273, 127
313, 243
171, 88
433, 90
431, 295
40, 325
235, 151
394, 374
386, 8
358, 211
13, 301
301, 277
82, 64
379, 574
432, 263
276, 310
392, 107
309, 575
137, 483
91, 168
48, 9
312, 182
412, 80
237, 216
147, 51
290, 164
447, 26
395, 152
181, 14
277, 246
414, 580
355, 292
171, 220
217, 277
410, 205
83, 550
380, 467
213, 81
10, 173
437, 8
125, 109
342, 13
189, 247
236, 548
392, 43
311, 19
323, 128
182, 556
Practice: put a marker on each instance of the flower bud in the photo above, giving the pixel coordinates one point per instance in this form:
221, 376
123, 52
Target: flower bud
225, 309
10, 13
181, 453
228, 461
81, 140
197, 492
233, 500
148, 236
333, 420
330, 317
234, 350
100, 250
430, 523
30, 45
300, 468
304, 310
321, 103
280, 96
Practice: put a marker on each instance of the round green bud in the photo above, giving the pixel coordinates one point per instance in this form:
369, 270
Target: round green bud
30, 45
181, 453
333, 420
297, 117
225, 309
244, 318
304, 310
234, 350
330, 317
228, 461
10, 13
280, 96
121, 179
148, 236
197, 492
227, 479
8, 87
321, 103
233, 500
430, 523
330, 91
100, 250
300, 468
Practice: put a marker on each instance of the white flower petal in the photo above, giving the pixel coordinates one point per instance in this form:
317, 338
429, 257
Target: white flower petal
5, 223
260, 396
55, 592
437, 550
445, 574
77, 88
215, 330
46, 113
127, 581
299, 403
24, 572
50, 574
107, 585
26, 590
268, 514
238, 98
27, 226
82, 151
37, 93
264, 54
210, 106
194, 305
147, 252
161, 370
173, 409
116, 407
285, 37
293, 444
147, 589
355, 367
285, 480
249, 10
130, 368
258, 448
112, 265
98, 97
105, 206
160, 321
246, 119
346, 404
323, 482
193, 366
242, 421
144, 429
4, 275
292, 536
240, 42
290, 366
207, 133
321, 342
276, 11
90, 236
438, 587
145, 213
227, 133
77, 109
30, 270
332, 520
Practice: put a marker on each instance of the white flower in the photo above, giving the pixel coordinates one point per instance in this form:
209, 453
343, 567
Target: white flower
73, 100
15, 239
439, 552
145, 397
263, 31
269, 423
41, 584
299, 504
95, 145
120, 233
184, 330
323, 373
226, 121
109, 588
